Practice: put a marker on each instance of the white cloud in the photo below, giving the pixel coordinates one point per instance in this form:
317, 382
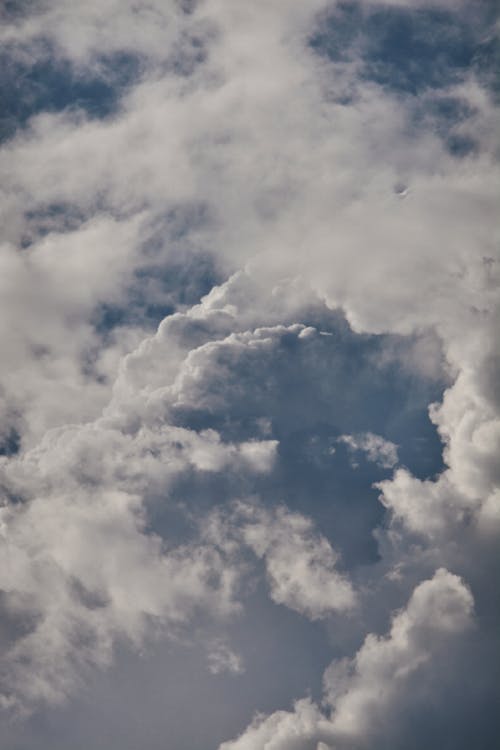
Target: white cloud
221, 658
88, 575
78, 558
233, 113
364, 693
283, 730
300, 563
368, 688
377, 449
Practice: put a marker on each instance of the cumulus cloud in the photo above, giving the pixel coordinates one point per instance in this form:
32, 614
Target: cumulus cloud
298, 730
91, 575
362, 690
208, 282
301, 565
368, 688
376, 448
93, 572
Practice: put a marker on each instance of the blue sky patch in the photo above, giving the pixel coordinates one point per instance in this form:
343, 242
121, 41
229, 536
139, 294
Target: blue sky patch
46, 83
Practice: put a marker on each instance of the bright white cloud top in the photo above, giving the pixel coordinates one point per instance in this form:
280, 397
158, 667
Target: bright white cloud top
249, 384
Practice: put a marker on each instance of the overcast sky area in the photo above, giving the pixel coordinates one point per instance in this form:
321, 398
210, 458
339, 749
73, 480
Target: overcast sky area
249, 374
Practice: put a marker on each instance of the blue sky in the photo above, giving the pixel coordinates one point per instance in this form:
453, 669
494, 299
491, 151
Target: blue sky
249, 404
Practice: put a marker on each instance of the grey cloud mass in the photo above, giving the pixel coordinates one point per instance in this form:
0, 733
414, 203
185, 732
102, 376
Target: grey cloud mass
249, 383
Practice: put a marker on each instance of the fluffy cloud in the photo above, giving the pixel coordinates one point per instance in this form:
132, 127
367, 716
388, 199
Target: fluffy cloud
259, 166
299, 730
376, 448
90, 576
367, 689
300, 563
93, 571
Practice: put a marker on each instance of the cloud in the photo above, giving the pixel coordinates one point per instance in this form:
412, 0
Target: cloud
367, 690
207, 282
376, 448
94, 572
92, 575
300, 563
369, 687
297, 731
221, 658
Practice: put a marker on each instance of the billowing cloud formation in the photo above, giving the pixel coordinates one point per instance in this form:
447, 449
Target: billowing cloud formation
363, 689
364, 692
244, 247
91, 571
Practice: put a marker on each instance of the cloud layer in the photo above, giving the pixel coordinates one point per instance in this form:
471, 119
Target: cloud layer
249, 373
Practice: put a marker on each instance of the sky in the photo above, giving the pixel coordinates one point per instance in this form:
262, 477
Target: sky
249, 374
